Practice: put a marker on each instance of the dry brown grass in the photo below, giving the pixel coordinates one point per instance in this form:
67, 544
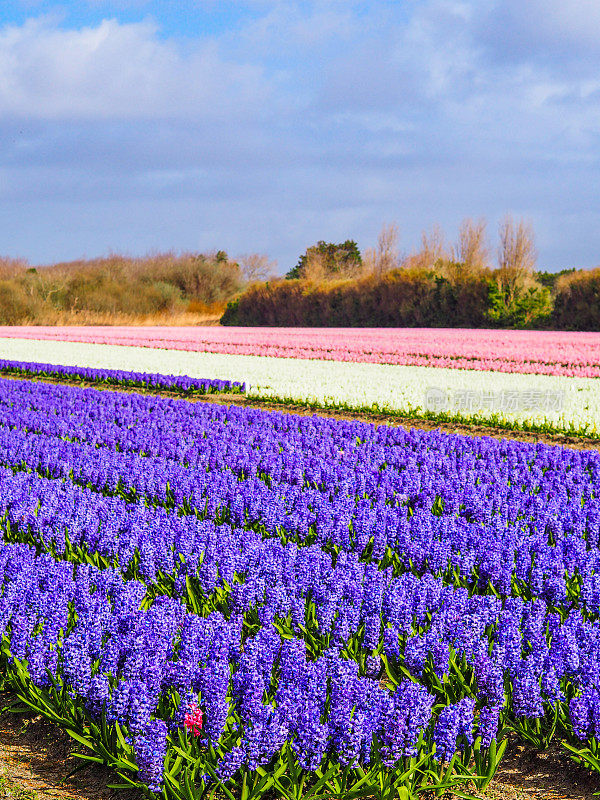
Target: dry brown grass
159, 289
147, 320
174, 319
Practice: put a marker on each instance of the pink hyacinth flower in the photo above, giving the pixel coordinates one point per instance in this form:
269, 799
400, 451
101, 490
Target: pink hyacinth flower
193, 720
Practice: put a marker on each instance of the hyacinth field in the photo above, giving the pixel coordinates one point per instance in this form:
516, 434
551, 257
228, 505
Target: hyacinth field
543, 382
178, 384
220, 601
537, 352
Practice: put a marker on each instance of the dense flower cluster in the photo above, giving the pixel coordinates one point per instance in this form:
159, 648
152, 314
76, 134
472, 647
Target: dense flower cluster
308, 477
218, 595
181, 384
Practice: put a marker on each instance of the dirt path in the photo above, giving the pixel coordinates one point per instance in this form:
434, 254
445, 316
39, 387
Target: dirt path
36, 759
525, 774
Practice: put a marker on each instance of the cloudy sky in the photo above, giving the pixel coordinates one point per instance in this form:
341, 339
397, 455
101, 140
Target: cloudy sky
266, 125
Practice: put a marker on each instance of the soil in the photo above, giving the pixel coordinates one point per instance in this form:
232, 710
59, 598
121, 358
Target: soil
527, 774
36, 759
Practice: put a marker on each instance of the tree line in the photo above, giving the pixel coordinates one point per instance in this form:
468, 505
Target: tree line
462, 284
438, 285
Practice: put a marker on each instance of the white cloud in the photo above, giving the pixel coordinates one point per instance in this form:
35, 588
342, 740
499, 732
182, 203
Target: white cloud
565, 21
119, 71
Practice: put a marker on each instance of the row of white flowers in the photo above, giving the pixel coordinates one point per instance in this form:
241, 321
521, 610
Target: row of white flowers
562, 402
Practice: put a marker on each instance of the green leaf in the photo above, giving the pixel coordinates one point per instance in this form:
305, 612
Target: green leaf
322, 782
85, 757
220, 783
122, 785
121, 738
182, 753
81, 739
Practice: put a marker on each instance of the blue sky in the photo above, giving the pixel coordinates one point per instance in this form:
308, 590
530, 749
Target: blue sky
266, 125
182, 18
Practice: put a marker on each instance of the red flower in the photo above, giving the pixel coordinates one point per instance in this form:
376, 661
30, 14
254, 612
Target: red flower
193, 720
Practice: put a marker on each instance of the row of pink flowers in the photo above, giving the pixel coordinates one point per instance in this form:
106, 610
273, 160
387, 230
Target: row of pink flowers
541, 352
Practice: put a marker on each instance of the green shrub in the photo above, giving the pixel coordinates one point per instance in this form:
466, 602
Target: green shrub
530, 306
230, 315
335, 260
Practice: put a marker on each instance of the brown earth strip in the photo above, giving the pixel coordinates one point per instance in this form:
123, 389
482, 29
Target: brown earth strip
527, 774
36, 758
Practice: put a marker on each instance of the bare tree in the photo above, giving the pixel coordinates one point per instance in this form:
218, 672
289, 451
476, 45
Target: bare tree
256, 267
516, 256
385, 256
369, 261
433, 250
343, 268
386, 253
434, 244
472, 251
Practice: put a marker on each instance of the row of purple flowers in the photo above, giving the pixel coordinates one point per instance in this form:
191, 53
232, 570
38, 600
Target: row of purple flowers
181, 384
